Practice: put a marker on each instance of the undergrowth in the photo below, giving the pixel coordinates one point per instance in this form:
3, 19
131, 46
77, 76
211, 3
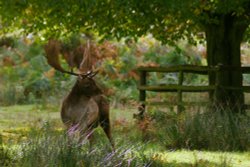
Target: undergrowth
47, 148
204, 130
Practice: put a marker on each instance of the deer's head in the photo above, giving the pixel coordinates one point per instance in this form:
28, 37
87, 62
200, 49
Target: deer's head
86, 84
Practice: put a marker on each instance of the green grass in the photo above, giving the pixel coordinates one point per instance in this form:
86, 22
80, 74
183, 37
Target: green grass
23, 116
41, 127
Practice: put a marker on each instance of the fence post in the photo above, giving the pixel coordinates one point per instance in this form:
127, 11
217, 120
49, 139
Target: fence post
142, 95
212, 80
180, 82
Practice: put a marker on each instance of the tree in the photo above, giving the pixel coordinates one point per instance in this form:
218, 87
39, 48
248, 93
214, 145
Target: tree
225, 24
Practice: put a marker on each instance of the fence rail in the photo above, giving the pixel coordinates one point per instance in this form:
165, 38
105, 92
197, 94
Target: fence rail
180, 88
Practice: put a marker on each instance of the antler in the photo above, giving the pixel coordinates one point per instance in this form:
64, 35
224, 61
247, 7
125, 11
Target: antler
52, 50
91, 74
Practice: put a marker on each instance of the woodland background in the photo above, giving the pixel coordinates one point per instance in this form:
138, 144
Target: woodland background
31, 93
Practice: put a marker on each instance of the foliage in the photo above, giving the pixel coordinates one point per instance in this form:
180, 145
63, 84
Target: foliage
25, 75
222, 24
168, 21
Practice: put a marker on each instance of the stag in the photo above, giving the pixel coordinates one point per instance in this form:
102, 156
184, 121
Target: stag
85, 107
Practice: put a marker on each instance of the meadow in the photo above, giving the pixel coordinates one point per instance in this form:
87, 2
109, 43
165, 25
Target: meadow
33, 135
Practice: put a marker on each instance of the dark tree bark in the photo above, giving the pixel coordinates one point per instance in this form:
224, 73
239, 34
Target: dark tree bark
223, 48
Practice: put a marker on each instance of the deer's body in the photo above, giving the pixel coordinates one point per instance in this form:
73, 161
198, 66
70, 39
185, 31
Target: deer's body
84, 112
85, 108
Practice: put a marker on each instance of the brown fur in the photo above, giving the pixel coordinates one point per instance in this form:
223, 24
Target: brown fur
85, 108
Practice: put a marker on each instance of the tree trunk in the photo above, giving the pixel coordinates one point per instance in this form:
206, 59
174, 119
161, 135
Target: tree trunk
223, 48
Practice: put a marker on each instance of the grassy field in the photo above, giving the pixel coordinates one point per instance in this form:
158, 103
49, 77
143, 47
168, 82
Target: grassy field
21, 124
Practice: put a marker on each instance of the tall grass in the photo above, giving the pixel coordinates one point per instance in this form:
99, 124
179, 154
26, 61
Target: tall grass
215, 131
50, 148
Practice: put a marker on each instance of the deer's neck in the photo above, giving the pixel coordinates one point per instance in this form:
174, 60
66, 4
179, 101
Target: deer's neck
77, 92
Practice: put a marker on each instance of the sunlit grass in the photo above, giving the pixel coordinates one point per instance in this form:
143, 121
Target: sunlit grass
204, 157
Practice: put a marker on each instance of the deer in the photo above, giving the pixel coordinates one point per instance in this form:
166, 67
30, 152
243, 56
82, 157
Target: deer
85, 107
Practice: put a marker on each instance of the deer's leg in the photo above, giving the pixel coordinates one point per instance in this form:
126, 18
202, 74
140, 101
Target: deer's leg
105, 123
87, 136
72, 130
104, 117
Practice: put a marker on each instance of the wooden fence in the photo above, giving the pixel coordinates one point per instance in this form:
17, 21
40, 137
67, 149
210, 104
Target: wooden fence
180, 88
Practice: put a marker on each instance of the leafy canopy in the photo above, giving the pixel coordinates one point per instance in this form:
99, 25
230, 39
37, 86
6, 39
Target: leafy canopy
167, 20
